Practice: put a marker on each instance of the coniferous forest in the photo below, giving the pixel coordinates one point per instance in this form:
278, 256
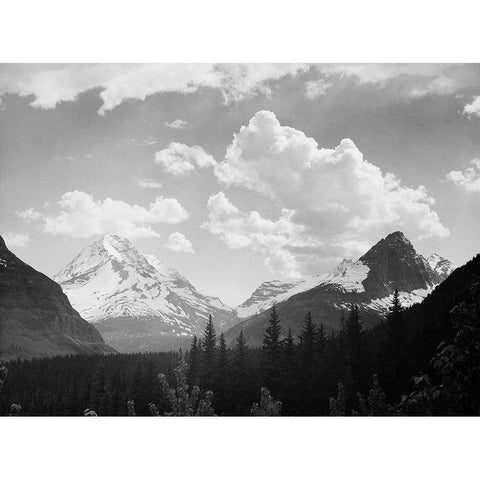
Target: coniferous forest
424, 360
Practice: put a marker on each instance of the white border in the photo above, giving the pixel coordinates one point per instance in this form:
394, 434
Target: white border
254, 31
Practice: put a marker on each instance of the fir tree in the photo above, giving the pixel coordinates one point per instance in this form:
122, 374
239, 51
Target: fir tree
395, 349
241, 377
271, 352
221, 373
209, 350
307, 339
194, 361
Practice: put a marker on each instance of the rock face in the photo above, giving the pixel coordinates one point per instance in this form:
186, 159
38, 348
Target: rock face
135, 301
36, 318
390, 264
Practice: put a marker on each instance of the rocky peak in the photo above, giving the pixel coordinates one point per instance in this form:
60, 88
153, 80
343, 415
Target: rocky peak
394, 263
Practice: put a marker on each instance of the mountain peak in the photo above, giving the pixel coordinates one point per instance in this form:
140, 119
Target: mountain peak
3, 246
396, 237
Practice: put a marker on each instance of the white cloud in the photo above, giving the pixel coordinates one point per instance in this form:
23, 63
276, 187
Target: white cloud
147, 183
179, 243
82, 216
180, 159
472, 109
332, 199
469, 179
418, 79
380, 73
316, 88
52, 84
177, 124
30, 214
249, 229
16, 239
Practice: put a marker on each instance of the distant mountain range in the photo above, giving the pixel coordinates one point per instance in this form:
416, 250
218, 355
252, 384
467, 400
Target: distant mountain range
135, 301
369, 282
139, 304
36, 318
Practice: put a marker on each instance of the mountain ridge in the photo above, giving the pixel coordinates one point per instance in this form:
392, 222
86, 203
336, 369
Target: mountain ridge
36, 318
369, 282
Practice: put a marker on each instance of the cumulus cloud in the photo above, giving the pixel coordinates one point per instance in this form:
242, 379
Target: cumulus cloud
469, 179
316, 88
82, 216
331, 199
16, 239
472, 109
177, 124
51, 84
180, 159
177, 242
250, 229
147, 183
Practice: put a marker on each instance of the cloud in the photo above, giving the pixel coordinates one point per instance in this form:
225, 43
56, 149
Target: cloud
52, 84
469, 179
179, 243
147, 183
472, 109
180, 159
331, 199
249, 229
316, 88
16, 239
82, 216
30, 214
177, 124
417, 79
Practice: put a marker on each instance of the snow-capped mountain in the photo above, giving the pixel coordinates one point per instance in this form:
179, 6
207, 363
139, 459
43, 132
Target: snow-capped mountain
136, 301
441, 265
390, 264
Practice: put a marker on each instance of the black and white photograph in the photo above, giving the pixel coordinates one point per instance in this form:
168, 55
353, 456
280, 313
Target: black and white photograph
239, 239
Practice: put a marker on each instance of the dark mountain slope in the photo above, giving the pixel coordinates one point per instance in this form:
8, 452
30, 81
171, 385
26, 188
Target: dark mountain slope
36, 318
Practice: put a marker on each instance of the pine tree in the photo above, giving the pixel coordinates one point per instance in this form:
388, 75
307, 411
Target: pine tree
240, 386
307, 338
209, 350
221, 375
353, 349
395, 349
194, 360
271, 353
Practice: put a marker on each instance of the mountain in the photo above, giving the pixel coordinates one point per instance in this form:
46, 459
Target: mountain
36, 318
272, 292
440, 265
135, 301
390, 264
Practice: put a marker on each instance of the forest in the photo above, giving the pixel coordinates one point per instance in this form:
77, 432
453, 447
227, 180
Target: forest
423, 360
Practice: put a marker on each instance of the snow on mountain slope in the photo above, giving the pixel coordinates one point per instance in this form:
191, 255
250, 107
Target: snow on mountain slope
180, 285
348, 276
440, 265
111, 284
275, 291
414, 275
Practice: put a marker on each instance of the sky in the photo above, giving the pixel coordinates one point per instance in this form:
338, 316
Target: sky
235, 174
